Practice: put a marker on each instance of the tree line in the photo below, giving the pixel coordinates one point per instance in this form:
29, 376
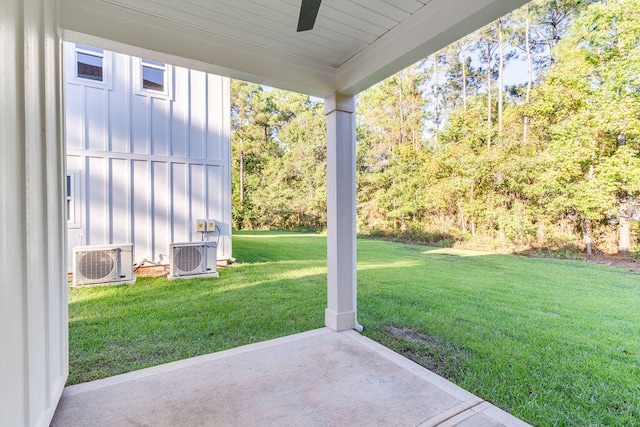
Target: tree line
448, 153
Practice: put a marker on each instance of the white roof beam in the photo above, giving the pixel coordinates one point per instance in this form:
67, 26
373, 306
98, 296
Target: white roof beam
435, 26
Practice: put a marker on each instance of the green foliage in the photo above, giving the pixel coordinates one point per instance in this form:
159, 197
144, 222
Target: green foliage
441, 148
561, 185
587, 110
279, 158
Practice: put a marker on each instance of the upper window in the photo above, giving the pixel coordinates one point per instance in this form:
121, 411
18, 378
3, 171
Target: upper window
89, 63
154, 75
88, 66
153, 78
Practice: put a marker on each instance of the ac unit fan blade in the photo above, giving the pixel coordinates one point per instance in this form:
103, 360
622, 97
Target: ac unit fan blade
308, 13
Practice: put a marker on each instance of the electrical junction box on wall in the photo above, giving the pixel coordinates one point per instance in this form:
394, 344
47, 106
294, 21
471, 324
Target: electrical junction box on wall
210, 225
200, 225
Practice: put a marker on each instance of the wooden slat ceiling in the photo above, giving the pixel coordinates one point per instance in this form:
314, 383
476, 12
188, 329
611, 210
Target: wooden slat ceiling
354, 44
343, 27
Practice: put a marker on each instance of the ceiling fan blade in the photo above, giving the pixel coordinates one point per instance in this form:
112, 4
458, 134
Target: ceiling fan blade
308, 14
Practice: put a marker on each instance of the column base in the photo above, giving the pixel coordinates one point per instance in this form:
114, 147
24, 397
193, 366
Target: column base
340, 321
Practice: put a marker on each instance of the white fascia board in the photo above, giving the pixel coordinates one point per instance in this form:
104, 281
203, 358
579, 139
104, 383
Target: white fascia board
127, 31
435, 26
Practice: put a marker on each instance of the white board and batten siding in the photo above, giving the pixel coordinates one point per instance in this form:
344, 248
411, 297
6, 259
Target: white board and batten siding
143, 167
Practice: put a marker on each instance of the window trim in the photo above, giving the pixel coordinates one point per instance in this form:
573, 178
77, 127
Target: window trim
107, 61
167, 93
80, 50
72, 199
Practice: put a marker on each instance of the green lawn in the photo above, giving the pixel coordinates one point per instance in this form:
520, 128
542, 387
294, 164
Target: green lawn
553, 342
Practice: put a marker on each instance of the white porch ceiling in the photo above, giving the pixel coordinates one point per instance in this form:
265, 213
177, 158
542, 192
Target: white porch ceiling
355, 43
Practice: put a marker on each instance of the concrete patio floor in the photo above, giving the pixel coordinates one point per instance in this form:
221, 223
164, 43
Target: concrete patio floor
316, 378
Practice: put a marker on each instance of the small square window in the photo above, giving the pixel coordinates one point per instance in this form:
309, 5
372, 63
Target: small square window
153, 75
89, 63
153, 79
88, 66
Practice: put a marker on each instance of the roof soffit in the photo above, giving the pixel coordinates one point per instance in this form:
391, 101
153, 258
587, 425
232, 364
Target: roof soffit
134, 27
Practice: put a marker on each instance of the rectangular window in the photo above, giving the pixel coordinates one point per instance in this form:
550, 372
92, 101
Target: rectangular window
153, 79
154, 75
72, 199
89, 63
70, 213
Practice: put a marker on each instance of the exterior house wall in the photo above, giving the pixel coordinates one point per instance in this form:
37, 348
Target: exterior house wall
143, 166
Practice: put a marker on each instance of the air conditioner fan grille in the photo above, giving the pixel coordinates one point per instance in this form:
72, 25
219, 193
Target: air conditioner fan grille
98, 265
188, 259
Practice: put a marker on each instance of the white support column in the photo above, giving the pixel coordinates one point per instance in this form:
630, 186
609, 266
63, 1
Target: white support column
341, 212
33, 287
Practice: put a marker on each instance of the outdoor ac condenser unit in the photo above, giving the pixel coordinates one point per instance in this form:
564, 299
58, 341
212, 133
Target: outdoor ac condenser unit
192, 260
109, 264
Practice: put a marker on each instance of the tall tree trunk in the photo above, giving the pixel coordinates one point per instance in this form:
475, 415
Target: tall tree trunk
586, 232
489, 101
586, 222
436, 112
500, 75
241, 179
624, 227
401, 105
463, 220
540, 234
473, 220
624, 212
527, 44
395, 218
464, 83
